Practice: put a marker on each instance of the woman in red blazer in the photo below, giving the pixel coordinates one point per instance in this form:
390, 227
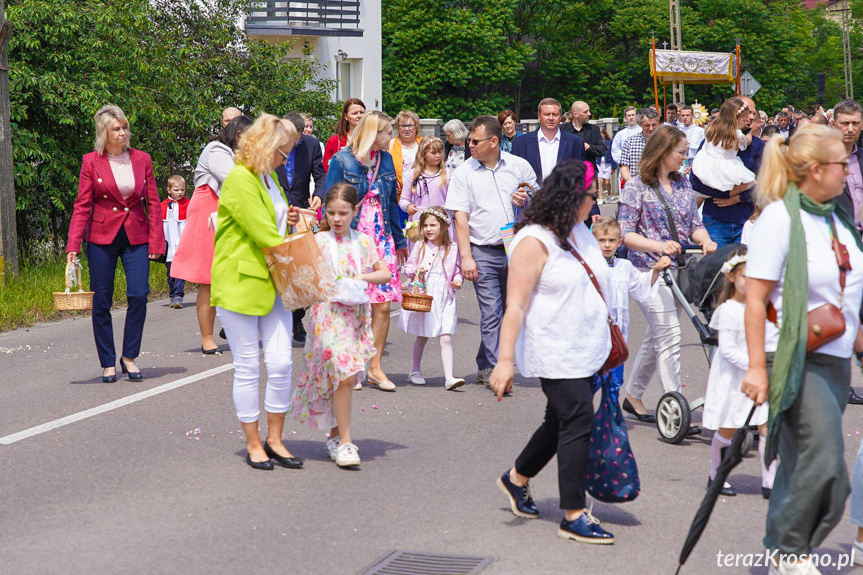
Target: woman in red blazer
116, 184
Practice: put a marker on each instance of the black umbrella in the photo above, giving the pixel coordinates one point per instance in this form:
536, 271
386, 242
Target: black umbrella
732, 455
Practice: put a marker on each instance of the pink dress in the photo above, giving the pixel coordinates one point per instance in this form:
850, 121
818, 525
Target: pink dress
372, 224
427, 192
194, 256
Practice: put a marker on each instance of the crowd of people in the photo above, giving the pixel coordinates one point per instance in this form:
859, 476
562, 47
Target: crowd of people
786, 190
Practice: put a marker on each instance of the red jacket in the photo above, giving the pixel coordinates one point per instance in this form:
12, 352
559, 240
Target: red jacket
182, 205
100, 209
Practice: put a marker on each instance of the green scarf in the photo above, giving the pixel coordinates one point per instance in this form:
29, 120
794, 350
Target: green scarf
790, 357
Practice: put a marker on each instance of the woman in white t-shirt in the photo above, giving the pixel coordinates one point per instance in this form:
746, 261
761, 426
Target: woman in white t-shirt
792, 269
549, 293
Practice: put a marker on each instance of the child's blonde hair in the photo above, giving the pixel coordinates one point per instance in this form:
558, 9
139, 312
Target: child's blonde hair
430, 144
176, 180
606, 224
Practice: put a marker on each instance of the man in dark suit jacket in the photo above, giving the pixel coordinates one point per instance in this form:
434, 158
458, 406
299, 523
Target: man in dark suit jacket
308, 163
538, 147
305, 162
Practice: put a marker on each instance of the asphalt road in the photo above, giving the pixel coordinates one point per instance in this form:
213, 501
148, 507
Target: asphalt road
159, 485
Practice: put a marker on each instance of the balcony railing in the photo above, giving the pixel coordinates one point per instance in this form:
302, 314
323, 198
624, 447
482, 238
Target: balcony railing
321, 18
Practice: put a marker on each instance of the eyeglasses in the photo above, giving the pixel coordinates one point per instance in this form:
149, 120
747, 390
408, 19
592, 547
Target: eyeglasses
407, 127
283, 154
683, 153
846, 167
476, 142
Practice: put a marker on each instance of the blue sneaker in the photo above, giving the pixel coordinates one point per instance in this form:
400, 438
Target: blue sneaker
585, 531
519, 497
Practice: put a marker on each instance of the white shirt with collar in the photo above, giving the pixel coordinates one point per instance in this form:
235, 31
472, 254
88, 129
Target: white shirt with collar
486, 195
548, 152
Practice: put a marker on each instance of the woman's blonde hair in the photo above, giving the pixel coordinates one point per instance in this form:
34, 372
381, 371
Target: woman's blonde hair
363, 137
260, 141
429, 144
104, 119
788, 161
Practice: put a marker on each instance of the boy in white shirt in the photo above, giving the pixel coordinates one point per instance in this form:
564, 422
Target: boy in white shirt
625, 281
174, 222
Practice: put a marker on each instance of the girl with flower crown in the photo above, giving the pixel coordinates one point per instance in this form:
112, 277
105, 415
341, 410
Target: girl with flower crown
437, 256
725, 407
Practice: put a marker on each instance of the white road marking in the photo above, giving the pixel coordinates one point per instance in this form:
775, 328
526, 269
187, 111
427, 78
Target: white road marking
87, 413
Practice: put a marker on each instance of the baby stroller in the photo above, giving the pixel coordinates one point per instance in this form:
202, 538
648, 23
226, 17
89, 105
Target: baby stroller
674, 412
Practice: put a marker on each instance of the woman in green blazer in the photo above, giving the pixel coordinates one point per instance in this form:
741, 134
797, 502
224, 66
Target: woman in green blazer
254, 214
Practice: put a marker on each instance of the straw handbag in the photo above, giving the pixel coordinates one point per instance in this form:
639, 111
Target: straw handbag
303, 276
69, 300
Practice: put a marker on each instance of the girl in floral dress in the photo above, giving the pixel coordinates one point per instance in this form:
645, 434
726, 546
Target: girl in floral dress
341, 339
367, 165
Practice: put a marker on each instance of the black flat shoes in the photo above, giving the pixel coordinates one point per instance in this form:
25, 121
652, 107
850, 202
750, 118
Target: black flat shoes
289, 462
642, 417
133, 375
262, 465
214, 351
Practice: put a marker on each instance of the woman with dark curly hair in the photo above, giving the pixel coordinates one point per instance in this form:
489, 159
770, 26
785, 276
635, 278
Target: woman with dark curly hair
545, 280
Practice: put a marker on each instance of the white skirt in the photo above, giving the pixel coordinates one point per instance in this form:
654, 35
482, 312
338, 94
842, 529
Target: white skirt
443, 317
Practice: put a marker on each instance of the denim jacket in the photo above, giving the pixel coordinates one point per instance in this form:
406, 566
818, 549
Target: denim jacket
344, 167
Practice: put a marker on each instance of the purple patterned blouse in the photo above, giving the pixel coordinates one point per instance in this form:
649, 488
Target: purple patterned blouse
641, 213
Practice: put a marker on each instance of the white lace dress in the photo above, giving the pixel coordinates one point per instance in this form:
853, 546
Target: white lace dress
719, 167
725, 405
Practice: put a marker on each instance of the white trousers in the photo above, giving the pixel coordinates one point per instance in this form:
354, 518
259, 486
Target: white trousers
660, 347
275, 335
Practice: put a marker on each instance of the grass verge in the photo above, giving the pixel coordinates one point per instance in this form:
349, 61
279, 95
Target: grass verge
28, 299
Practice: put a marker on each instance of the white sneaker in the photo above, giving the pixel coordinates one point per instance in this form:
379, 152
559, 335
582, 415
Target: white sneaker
333, 447
600, 202
857, 549
453, 382
347, 455
799, 568
416, 378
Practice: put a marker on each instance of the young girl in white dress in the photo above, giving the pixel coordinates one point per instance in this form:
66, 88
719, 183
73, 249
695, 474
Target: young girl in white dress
725, 407
439, 257
716, 164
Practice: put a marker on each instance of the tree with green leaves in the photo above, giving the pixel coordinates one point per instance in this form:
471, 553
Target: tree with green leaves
171, 65
451, 59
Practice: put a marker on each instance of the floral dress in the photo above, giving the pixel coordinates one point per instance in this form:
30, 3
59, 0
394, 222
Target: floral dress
341, 341
372, 224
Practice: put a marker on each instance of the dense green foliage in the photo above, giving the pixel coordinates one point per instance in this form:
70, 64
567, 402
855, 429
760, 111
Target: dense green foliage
171, 65
463, 57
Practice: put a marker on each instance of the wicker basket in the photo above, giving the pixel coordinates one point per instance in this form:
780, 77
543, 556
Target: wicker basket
73, 300
416, 302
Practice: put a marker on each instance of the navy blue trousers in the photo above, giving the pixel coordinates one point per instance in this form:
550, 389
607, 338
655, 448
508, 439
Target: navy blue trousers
103, 268
176, 286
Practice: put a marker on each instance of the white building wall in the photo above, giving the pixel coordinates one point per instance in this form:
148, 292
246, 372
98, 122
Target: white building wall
363, 56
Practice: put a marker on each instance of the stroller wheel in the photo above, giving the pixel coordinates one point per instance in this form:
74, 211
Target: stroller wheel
673, 417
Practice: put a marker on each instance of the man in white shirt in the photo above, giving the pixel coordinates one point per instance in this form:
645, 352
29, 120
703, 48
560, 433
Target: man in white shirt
631, 127
694, 134
484, 193
548, 137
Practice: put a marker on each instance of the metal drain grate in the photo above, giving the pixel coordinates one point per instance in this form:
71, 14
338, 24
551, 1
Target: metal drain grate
413, 563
